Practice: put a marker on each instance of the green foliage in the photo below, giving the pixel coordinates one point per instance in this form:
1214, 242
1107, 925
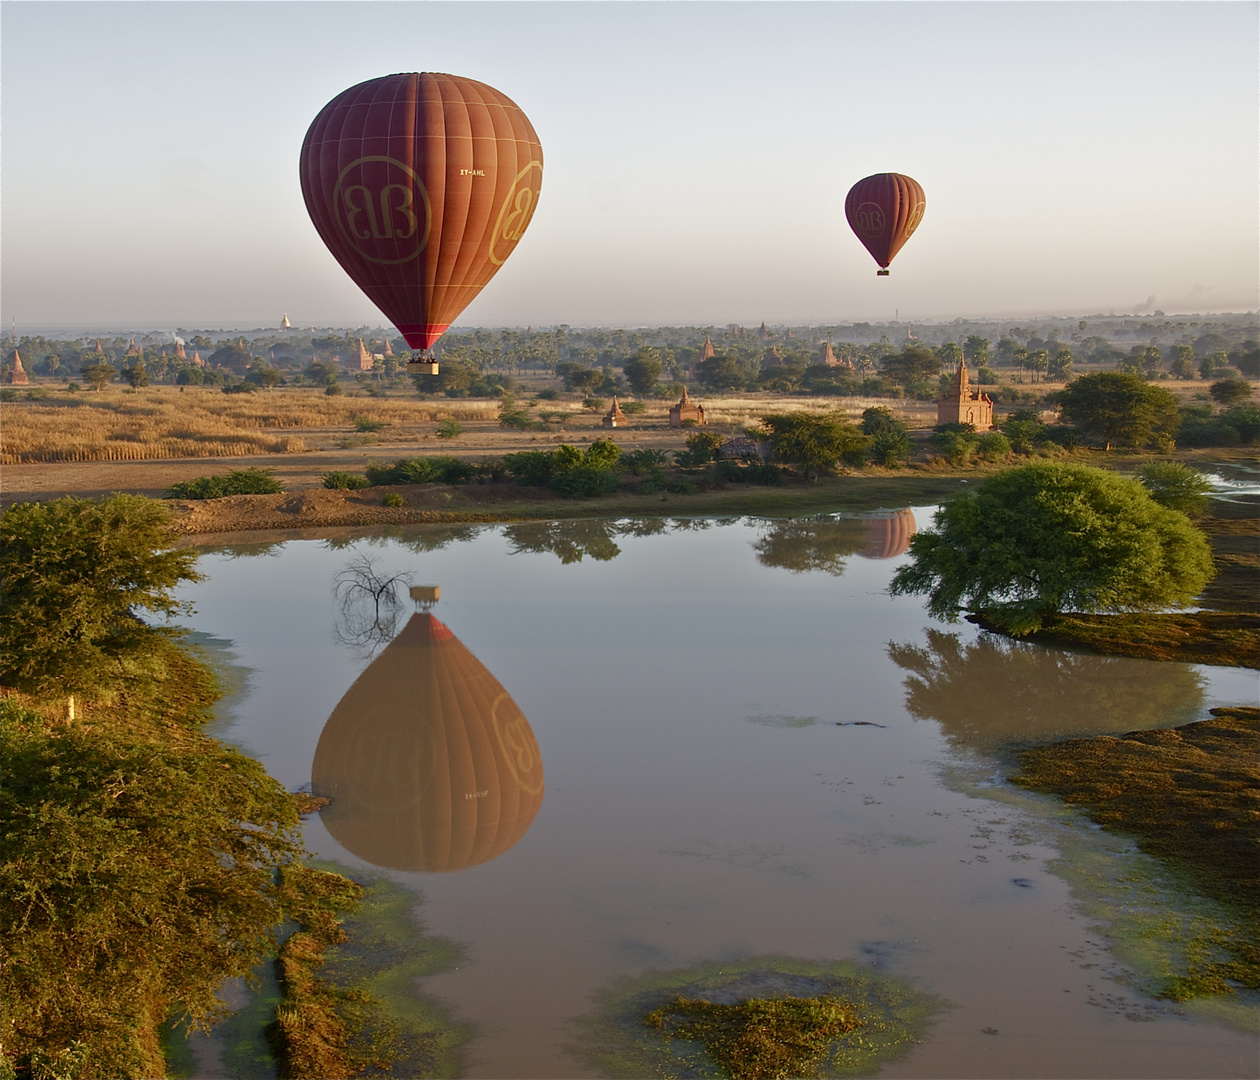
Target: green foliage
365, 423
427, 470
1245, 419
1176, 486
510, 416
954, 445
778, 1017
720, 373
643, 371
817, 443
1230, 391
250, 481
1048, 538
344, 481
136, 376
250, 388
890, 438
913, 366
449, 428
331, 390
393, 499
137, 867
702, 447
98, 375
1118, 407
993, 446
76, 574
571, 472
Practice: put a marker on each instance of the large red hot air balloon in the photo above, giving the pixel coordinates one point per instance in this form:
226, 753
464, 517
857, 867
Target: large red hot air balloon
421, 185
884, 210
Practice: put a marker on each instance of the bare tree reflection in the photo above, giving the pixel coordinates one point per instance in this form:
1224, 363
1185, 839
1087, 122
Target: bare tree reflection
994, 691
369, 605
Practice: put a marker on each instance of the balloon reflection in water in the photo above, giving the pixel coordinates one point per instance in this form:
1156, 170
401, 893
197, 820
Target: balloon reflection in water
994, 691
429, 763
823, 544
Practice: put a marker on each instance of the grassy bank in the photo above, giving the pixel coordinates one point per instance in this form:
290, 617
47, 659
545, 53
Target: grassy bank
1190, 797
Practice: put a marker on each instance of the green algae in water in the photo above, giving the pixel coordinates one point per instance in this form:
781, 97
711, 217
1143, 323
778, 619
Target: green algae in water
1162, 934
719, 1020
386, 950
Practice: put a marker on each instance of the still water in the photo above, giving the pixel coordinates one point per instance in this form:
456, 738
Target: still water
666, 743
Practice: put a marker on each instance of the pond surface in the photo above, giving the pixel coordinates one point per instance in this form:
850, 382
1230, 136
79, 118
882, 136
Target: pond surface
748, 747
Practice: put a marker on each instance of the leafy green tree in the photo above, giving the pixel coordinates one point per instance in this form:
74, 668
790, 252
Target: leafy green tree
702, 447
816, 443
720, 373
1047, 538
138, 873
976, 350
642, 372
234, 356
1176, 486
1182, 366
1118, 407
913, 365
321, 373
1246, 359
98, 375
136, 376
1229, 392
1060, 366
890, 438
77, 573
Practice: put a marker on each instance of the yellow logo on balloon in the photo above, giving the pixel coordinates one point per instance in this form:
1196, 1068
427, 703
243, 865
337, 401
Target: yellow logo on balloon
515, 213
376, 206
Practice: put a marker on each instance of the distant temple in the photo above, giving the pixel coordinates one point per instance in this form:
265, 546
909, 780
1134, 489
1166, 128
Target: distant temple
960, 405
284, 322
98, 351
614, 418
762, 333
16, 375
131, 349
708, 352
179, 351
686, 411
828, 356
389, 351
772, 358
362, 359
197, 361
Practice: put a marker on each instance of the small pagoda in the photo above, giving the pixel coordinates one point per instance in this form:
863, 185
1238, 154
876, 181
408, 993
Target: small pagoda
16, 375
686, 410
615, 418
962, 405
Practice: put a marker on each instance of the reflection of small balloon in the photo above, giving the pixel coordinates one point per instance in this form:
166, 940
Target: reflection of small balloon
421, 185
428, 761
888, 534
883, 211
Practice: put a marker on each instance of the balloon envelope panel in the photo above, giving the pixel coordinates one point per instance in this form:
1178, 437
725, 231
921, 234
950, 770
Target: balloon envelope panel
888, 535
883, 211
421, 185
428, 761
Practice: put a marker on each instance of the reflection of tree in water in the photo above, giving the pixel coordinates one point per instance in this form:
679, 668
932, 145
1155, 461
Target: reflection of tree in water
369, 607
995, 690
420, 538
244, 551
570, 541
822, 544
808, 546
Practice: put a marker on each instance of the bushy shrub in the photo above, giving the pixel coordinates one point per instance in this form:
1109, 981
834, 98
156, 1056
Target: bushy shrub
743, 471
394, 499
584, 482
449, 429
241, 388
238, 482
364, 423
890, 438
1245, 419
530, 466
956, 447
344, 481
1176, 486
427, 470
993, 446
569, 471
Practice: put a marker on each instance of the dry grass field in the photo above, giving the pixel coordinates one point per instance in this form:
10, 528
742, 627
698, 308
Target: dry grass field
164, 422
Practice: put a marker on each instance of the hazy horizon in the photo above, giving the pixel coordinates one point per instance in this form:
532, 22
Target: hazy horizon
1076, 158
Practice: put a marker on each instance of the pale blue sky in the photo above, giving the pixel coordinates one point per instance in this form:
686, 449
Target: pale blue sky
1077, 157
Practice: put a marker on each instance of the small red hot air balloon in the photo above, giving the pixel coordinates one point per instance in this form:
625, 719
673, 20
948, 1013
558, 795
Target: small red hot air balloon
421, 185
884, 210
